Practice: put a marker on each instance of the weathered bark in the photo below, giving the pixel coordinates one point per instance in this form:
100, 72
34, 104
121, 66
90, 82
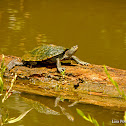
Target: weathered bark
86, 84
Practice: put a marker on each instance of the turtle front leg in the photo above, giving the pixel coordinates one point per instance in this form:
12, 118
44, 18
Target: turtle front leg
58, 64
77, 60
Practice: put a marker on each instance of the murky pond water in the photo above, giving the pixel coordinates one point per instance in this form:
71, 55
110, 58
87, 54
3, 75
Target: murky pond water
17, 105
98, 27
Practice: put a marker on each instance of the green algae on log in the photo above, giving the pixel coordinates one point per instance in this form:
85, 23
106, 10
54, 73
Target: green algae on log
85, 84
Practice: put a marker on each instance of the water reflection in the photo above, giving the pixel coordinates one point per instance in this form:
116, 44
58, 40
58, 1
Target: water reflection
16, 105
20, 35
15, 23
41, 38
39, 107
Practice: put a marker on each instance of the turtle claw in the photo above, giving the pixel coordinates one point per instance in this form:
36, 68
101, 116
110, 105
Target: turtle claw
84, 63
61, 70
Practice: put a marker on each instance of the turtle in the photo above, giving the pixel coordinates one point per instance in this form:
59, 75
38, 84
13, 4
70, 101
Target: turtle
48, 53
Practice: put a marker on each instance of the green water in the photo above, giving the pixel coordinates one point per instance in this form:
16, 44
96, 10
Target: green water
98, 27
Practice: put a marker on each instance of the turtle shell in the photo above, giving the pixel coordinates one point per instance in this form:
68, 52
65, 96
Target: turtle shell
44, 52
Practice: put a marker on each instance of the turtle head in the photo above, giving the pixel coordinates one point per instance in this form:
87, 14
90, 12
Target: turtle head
73, 49
70, 52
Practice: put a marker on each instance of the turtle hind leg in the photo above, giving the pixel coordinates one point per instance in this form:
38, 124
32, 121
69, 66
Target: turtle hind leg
13, 63
58, 64
77, 60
